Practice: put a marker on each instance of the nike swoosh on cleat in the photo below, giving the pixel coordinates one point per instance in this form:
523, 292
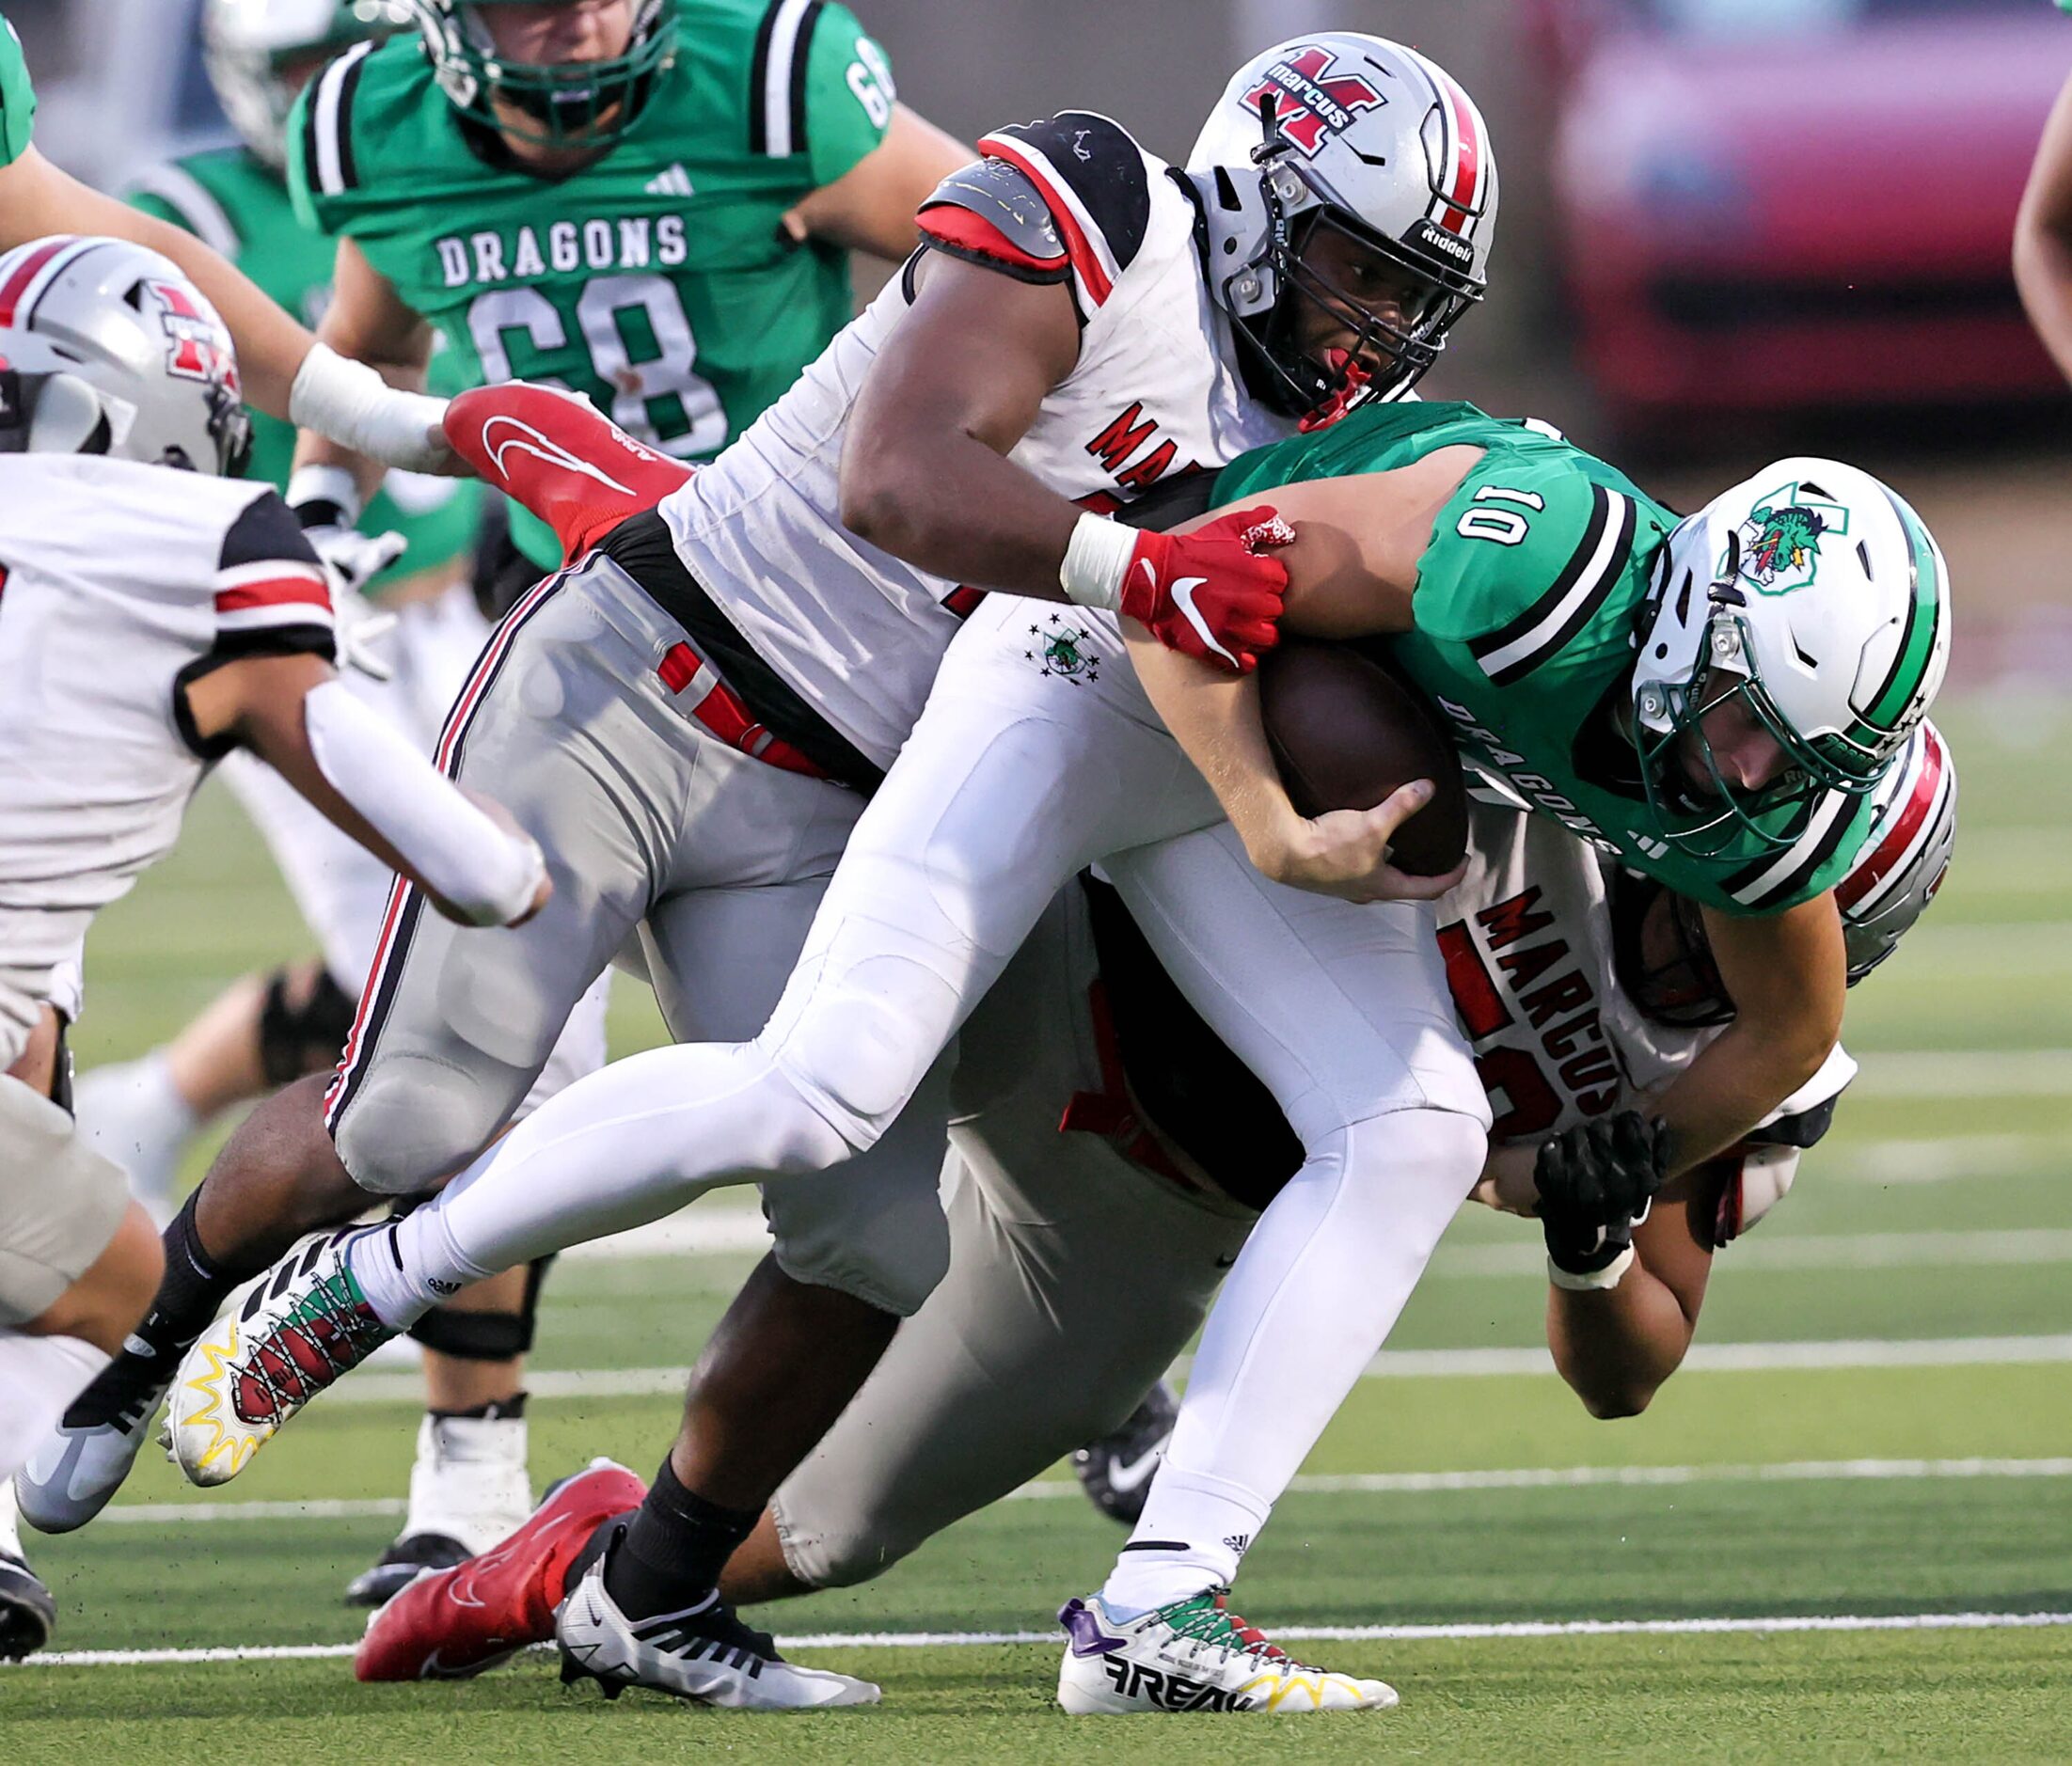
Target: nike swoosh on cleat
1125, 1475
1183, 598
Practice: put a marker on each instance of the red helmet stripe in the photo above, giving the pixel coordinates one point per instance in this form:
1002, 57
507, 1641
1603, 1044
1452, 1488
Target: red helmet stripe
26, 272
1868, 873
1467, 157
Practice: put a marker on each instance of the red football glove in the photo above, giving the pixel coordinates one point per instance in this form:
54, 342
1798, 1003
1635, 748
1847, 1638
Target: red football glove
560, 457
1213, 593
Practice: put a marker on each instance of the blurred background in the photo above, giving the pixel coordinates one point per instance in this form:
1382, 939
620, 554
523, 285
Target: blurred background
1731, 230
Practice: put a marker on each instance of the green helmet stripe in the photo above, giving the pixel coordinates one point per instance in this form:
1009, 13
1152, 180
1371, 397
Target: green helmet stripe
1924, 613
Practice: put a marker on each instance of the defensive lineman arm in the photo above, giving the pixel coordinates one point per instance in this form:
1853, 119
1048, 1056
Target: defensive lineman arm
287, 373
2043, 236
1352, 570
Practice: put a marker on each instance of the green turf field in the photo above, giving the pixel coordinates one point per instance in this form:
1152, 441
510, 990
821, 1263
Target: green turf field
1877, 1426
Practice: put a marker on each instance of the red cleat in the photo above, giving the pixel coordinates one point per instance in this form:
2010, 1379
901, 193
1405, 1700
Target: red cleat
452, 1624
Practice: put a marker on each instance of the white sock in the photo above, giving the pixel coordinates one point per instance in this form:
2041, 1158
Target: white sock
374, 1261
10, 1524
39, 1378
1314, 1294
134, 1115
1193, 1530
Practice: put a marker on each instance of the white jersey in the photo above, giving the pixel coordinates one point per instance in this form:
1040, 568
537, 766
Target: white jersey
1527, 940
1155, 394
120, 583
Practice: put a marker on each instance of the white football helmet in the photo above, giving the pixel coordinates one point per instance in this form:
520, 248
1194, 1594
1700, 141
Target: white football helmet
1815, 593
248, 45
1346, 131
107, 348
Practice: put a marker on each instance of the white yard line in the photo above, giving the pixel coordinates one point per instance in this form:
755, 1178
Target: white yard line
1333, 1484
1331, 1634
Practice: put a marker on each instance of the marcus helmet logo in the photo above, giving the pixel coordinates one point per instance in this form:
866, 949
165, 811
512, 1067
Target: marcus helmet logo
197, 347
1779, 544
1312, 104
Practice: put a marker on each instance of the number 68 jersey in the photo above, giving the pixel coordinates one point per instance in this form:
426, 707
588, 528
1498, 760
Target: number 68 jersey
657, 281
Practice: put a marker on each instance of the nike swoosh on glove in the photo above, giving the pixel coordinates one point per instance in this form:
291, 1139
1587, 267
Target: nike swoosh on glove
1214, 594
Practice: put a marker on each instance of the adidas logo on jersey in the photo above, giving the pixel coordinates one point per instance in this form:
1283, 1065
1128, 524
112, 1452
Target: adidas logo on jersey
673, 182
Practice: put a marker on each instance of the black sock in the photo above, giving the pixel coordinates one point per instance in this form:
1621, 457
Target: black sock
497, 1411
193, 1288
675, 1546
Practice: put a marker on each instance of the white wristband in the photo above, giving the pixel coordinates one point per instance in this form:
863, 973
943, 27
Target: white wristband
326, 485
351, 403
458, 852
1609, 1276
1096, 563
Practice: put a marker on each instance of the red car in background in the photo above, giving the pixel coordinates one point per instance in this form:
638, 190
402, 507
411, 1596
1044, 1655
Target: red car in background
1771, 206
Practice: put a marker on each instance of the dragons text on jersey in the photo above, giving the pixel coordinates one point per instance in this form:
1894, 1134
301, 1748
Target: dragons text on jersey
658, 281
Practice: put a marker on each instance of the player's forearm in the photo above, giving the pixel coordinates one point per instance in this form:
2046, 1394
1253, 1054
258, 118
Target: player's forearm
947, 502
2043, 236
1616, 1346
1216, 718
1734, 1083
401, 360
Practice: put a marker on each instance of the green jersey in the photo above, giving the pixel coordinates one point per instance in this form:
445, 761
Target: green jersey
234, 203
17, 98
1527, 608
657, 281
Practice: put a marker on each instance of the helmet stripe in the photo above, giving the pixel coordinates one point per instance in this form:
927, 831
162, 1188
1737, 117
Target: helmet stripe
1457, 205
1923, 630
16, 288
1874, 866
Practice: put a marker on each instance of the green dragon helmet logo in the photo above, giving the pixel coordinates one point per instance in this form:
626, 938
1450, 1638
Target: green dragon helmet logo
1781, 541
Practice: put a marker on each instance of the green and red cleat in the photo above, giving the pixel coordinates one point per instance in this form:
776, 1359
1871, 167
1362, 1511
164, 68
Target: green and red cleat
297, 1331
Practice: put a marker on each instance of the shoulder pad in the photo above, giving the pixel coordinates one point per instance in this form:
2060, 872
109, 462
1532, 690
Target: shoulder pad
193, 205
991, 213
328, 155
1094, 181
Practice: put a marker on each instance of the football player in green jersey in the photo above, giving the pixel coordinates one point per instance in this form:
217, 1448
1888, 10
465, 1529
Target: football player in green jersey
647, 201
650, 202
268, 1029
286, 372
1709, 698
2043, 233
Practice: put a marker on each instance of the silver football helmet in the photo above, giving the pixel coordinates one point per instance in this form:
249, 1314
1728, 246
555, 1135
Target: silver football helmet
107, 348
1667, 969
1347, 132
249, 47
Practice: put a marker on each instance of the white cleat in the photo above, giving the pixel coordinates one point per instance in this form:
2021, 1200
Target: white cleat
293, 1333
73, 1470
1193, 1655
703, 1653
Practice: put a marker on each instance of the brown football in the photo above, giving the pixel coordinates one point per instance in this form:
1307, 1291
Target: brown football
1345, 733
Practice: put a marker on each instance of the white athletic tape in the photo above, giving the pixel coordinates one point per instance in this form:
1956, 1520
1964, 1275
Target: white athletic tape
1293, 1633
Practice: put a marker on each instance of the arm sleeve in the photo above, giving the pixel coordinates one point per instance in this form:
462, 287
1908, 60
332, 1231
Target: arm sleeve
846, 94
17, 98
1522, 559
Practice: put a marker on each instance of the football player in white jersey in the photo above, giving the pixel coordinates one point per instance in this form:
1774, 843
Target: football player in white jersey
155, 614
683, 706
1109, 1155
